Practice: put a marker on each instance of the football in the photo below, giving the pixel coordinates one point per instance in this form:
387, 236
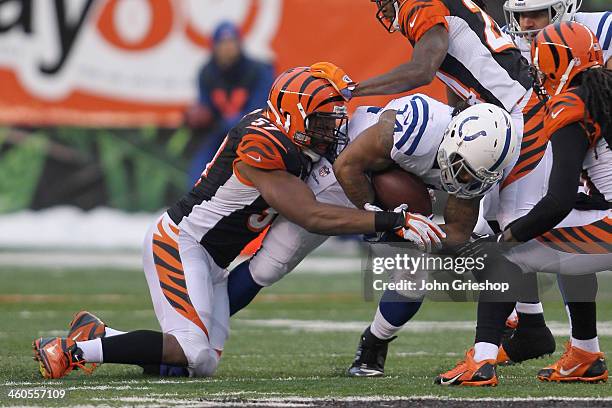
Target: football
396, 186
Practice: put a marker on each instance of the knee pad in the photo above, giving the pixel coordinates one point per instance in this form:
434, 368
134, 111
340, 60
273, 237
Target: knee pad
204, 363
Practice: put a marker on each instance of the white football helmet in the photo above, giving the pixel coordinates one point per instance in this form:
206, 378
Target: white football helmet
478, 144
558, 10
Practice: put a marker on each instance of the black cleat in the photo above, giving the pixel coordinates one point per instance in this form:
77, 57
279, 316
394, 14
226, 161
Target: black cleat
527, 343
370, 356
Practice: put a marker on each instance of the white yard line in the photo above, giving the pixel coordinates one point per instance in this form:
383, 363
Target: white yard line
604, 328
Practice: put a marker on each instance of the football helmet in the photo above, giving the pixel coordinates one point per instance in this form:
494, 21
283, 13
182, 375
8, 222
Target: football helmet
311, 112
383, 13
558, 10
478, 144
559, 53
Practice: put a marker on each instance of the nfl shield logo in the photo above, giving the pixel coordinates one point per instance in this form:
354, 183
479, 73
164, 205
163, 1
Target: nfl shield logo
324, 171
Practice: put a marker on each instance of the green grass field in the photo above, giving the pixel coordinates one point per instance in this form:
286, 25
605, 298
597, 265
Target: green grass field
295, 340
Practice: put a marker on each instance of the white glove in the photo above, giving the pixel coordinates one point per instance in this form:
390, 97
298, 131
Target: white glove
420, 230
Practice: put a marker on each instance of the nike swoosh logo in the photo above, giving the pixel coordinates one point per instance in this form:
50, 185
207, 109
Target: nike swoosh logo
571, 370
368, 371
257, 159
76, 336
452, 380
555, 114
413, 20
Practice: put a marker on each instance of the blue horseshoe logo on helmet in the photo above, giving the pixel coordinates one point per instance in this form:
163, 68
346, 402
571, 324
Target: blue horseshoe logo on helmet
476, 135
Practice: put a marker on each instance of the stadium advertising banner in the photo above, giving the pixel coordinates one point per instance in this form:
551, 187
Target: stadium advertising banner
129, 63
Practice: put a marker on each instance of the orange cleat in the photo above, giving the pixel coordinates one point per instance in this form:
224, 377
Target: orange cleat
576, 365
86, 326
57, 356
470, 373
502, 357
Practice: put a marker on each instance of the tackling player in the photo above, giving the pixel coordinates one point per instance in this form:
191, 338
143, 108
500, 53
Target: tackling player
556, 238
524, 19
257, 172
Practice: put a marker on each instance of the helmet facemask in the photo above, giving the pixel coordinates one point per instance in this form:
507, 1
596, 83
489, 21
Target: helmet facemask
325, 133
460, 179
538, 83
383, 14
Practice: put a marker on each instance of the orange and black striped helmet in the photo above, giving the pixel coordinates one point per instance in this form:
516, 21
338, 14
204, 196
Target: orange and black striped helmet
560, 52
310, 110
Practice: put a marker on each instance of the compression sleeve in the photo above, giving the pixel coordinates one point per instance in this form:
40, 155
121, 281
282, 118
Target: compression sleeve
569, 146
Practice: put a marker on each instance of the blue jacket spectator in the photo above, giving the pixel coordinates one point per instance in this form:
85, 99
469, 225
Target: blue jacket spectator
230, 85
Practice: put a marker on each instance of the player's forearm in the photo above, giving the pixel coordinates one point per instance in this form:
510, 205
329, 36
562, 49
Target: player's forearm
401, 79
333, 220
355, 184
460, 218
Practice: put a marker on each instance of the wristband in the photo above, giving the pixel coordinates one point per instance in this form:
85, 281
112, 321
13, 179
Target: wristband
388, 221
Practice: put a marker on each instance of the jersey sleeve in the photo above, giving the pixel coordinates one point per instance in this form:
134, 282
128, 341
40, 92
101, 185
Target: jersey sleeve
416, 17
258, 148
567, 108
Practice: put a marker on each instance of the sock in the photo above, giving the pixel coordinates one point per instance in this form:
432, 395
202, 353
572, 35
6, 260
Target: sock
108, 332
241, 288
579, 288
485, 351
584, 320
396, 309
530, 315
590, 345
529, 308
92, 350
381, 328
494, 307
138, 347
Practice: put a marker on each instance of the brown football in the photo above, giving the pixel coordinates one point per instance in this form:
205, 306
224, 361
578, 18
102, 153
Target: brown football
396, 186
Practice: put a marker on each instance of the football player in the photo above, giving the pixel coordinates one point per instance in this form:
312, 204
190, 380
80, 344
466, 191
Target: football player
524, 20
555, 237
258, 172
466, 160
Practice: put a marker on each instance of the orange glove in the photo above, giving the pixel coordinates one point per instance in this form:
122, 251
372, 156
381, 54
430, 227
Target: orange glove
336, 76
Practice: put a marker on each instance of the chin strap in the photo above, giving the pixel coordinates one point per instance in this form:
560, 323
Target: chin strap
565, 76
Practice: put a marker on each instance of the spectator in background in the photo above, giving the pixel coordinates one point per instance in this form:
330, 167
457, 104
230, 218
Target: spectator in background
230, 85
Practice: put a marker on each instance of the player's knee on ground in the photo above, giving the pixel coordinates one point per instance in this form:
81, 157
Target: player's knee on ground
202, 359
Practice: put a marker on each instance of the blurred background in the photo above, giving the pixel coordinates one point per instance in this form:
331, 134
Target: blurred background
110, 109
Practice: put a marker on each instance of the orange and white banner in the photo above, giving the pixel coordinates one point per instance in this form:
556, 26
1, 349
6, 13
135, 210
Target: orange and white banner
124, 63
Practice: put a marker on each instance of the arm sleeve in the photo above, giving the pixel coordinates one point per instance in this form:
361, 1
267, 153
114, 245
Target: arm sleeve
569, 146
258, 150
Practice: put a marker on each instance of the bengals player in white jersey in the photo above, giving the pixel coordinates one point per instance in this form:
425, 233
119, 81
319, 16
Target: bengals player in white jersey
524, 19
258, 172
552, 236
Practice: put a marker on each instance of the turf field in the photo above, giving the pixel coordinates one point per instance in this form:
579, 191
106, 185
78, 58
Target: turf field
291, 347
